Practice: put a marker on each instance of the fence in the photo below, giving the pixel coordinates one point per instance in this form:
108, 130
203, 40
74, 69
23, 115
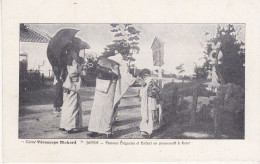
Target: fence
221, 119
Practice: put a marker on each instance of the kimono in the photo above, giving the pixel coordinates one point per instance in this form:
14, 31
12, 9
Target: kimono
71, 116
149, 109
107, 94
102, 108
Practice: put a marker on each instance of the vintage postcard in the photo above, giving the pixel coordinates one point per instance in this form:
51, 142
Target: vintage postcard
139, 81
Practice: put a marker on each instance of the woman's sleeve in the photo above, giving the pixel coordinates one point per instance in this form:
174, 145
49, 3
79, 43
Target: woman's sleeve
151, 91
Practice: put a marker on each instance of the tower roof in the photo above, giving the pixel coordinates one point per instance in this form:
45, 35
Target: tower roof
157, 40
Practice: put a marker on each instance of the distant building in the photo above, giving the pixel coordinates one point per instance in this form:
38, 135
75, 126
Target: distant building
33, 49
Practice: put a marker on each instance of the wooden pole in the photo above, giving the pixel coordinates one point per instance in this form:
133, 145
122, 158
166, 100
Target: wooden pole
194, 104
160, 77
217, 117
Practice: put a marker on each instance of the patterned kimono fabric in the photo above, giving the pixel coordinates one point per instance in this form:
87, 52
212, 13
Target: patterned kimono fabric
71, 116
149, 110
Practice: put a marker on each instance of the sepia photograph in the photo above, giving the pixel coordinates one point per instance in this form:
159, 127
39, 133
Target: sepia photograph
139, 81
132, 81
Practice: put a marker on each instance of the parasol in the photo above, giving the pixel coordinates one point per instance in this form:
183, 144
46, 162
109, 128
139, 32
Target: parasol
60, 40
79, 44
57, 47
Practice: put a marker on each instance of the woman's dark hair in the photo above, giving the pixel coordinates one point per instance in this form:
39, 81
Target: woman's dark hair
144, 72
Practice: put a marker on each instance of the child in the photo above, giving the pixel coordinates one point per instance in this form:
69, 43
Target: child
149, 99
71, 116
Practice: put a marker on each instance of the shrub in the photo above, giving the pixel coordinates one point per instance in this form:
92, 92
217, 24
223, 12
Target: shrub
170, 96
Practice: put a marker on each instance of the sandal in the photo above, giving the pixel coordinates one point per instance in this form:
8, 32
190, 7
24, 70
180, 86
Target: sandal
76, 130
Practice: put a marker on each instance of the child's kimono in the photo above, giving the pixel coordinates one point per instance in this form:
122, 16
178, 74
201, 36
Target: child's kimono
149, 111
71, 116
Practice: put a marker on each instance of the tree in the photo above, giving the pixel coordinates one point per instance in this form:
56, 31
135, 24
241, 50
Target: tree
23, 28
180, 69
201, 72
185, 77
125, 34
23, 69
232, 69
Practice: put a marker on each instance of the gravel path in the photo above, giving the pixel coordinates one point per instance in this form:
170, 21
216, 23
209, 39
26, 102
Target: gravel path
36, 120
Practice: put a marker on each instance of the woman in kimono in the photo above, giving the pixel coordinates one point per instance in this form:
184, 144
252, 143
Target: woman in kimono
149, 94
109, 91
71, 116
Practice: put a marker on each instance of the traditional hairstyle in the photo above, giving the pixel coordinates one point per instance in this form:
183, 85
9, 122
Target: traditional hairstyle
144, 72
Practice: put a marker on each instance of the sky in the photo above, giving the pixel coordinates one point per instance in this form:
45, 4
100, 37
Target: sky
184, 43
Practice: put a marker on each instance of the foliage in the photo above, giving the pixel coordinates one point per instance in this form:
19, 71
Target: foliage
23, 69
125, 34
170, 96
201, 72
185, 77
28, 80
232, 69
230, 104
180, 69
23, 28
170, 75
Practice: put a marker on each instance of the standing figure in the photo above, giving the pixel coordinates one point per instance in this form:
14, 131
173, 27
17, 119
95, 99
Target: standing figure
109, 91
61, 45
71, 116
149, 94
43, 79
